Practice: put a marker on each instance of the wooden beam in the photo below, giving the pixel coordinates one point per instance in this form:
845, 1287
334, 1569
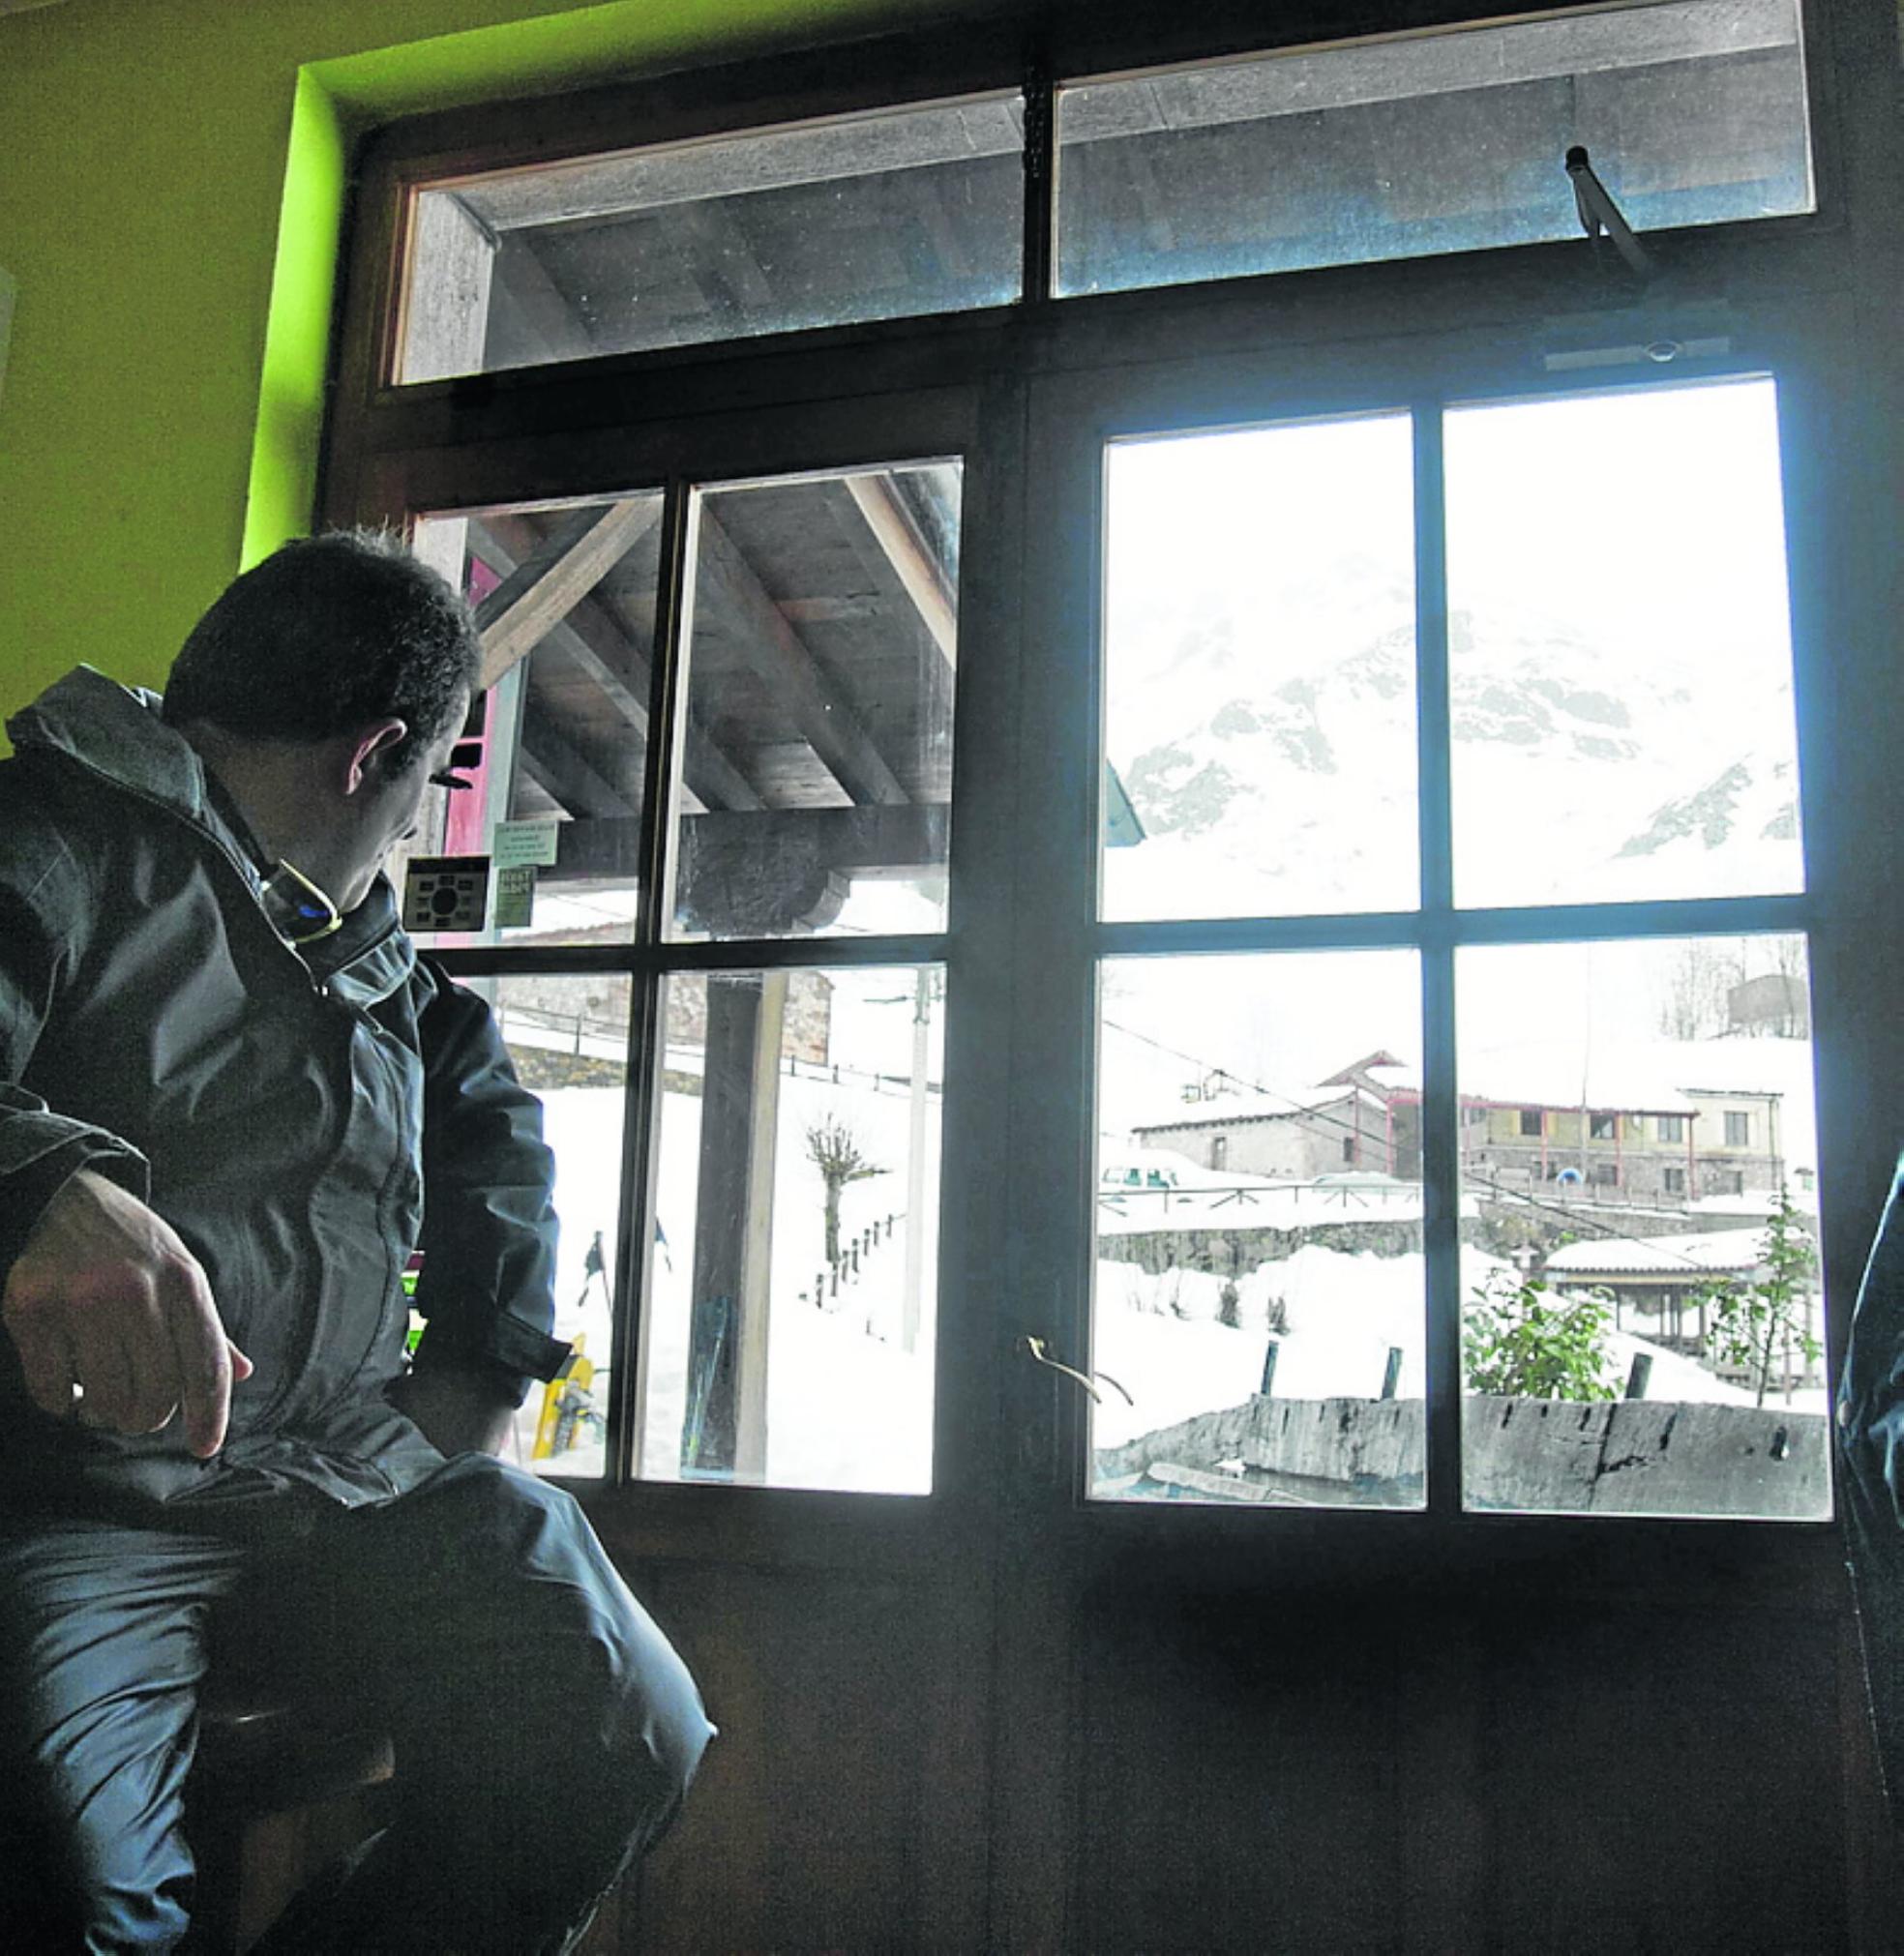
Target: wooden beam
914, 564
561, 772
599, 643
794, 680
542, 591
861, 842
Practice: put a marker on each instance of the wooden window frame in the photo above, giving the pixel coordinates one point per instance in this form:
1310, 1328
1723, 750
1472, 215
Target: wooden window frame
491, 437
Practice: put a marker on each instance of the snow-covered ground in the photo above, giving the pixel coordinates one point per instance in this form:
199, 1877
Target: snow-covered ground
848, 1406
1160, 1338
850, 1409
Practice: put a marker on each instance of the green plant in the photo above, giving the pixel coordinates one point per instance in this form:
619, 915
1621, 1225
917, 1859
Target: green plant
1523, 1341
1758, 1324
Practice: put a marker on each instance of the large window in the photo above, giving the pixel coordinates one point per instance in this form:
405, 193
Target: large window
1297, 820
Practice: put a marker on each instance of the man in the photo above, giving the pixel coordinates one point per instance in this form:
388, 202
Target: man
227, 1089
1870, 1435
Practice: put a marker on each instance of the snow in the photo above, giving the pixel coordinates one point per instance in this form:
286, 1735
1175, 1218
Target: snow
1159, 1337
847, 1408
1207, 1198
1692, 1256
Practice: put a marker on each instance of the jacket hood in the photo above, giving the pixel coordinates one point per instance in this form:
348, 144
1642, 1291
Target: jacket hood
115, 731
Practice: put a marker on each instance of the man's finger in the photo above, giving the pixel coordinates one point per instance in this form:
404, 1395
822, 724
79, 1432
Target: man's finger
203, 1357
47, 1365
102, 1363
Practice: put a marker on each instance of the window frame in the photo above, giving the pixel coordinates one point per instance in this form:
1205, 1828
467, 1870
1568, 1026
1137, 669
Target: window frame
484, 439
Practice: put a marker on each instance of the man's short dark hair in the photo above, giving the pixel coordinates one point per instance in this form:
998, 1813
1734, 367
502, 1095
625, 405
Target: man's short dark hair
325, 636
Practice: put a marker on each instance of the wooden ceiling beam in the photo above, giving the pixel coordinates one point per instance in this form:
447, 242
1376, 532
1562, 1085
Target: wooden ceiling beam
546, 586
815, 705
561, 772
623, 672
914, 564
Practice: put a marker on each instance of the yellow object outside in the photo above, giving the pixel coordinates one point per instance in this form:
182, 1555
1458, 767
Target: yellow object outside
556, 1425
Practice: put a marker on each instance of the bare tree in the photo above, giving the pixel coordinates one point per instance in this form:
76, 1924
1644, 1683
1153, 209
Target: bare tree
834, 1150
1697, 987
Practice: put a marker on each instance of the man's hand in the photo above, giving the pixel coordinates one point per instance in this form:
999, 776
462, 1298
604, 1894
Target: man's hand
105, 1297
460, 1409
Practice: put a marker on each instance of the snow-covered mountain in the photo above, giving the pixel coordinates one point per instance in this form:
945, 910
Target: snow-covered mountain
1274, 772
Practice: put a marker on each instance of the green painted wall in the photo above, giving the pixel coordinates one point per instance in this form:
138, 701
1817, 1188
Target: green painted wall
171, 173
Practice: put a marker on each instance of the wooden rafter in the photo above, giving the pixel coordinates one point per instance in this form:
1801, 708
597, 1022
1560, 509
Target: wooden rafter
914, 564
778, 655
599, 643
562, 773
546, 586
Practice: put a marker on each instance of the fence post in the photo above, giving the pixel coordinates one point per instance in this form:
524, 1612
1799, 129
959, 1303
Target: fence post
1391, 1372
1640, 1375
1268, 1385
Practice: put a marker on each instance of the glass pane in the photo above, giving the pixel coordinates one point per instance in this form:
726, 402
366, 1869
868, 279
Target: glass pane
1620, 654
1259, 652
568, 1041
565, 596
791, 1320
1693, 113
816, 780
887, 215
1643, 1328
1258, 1321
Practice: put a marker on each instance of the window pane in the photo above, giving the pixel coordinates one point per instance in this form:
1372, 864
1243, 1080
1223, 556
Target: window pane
1620, 654
1643, 1322
1693, 113
872, 216
791, 1320
817, 779
1258, 1321
565, 596
568, 1041
1259, 650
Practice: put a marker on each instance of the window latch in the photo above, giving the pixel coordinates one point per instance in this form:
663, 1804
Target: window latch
1035, 1347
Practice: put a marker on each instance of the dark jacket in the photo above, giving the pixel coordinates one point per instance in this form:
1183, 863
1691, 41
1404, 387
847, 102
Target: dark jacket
1870, 1432
283, 1110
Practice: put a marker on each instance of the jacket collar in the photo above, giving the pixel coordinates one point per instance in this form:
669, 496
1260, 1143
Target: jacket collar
115, 732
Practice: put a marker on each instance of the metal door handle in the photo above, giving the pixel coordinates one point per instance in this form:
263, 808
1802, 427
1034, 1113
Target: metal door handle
1035, 1348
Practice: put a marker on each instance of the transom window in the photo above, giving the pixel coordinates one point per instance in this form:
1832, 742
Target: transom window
1690, 112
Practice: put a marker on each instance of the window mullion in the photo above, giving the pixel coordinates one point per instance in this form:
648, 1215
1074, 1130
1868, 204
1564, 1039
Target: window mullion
1040, 159
648, 1015
1439, 1137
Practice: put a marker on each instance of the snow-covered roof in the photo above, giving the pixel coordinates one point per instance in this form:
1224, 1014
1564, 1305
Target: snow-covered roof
1225, 1110
1719, 1253
1554, 1072
1659, 1076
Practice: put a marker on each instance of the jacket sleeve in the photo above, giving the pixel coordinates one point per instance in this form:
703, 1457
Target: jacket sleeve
1869, 1428
43, 907
1870, 1408
486, 1290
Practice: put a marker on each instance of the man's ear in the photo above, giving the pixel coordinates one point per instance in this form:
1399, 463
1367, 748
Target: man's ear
370, 752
